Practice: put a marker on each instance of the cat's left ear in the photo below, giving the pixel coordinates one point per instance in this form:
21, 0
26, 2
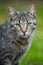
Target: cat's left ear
32, 10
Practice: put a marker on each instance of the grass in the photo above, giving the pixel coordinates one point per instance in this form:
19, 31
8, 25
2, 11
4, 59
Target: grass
34, 56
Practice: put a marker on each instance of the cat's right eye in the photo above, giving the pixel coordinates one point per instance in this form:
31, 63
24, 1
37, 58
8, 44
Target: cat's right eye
17, 24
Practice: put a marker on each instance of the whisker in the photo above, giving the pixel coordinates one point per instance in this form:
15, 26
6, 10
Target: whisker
36, 37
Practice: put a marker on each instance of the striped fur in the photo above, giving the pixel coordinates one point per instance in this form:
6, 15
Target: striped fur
14, 41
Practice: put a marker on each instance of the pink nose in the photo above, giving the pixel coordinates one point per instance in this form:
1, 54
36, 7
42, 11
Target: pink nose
23, 29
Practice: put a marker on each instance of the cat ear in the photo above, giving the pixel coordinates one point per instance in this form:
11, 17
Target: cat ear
11, 11
32, 10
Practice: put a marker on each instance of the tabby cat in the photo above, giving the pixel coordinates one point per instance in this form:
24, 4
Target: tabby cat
17, 37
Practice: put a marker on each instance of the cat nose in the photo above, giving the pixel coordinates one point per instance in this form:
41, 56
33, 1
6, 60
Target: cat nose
24, 30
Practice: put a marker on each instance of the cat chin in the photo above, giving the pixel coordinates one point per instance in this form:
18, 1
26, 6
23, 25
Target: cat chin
24, 37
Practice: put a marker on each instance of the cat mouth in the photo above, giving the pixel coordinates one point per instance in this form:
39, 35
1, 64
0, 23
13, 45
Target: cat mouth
24, 36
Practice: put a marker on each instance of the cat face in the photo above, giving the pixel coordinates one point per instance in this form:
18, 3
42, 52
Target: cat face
23, 21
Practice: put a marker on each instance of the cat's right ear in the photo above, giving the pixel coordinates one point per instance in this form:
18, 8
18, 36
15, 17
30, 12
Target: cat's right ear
11, 11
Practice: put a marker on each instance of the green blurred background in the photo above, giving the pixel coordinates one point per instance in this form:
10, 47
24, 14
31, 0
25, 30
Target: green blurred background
34, 55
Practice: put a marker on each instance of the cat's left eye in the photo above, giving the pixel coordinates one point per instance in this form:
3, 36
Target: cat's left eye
29, 23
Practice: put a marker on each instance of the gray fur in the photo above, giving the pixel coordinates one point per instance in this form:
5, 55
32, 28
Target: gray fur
10, 51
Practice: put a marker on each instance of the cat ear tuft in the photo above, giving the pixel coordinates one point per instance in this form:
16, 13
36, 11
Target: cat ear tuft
32, 10
11, 11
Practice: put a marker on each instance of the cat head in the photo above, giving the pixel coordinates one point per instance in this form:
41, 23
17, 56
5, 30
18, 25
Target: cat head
23, 21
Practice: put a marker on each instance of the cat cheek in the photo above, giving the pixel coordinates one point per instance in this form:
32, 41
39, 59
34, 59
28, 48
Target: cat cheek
28, 32
20, 32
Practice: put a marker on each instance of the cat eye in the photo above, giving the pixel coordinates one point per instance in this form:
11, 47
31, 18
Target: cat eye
17, 24
29, 23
